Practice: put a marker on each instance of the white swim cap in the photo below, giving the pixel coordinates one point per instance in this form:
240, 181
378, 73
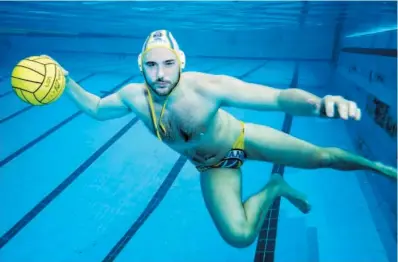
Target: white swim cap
162, 38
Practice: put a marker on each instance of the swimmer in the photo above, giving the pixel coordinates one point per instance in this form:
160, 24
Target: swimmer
184, 111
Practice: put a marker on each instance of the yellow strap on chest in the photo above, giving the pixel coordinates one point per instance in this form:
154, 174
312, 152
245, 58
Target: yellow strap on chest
154, 120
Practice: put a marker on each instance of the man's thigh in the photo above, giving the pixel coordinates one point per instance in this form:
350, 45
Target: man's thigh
264, 143
221, 189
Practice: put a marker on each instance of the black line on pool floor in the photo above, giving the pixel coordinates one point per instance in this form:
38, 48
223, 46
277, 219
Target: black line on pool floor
27, 108
51, 130
152, 205
251, 71
266, 242
6, 93
157, 197
61, 187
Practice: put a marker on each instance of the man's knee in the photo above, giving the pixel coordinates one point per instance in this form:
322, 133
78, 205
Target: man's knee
239, 235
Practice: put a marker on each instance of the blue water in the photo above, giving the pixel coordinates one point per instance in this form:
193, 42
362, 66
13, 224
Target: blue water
75, 189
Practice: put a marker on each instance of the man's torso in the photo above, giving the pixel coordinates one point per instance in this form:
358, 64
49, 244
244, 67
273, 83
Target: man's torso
195, 125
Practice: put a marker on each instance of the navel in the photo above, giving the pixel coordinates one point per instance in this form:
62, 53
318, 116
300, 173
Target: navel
185, 135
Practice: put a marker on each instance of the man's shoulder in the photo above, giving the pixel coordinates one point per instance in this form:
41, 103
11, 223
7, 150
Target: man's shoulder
202, 83
132, 88
200, 79
131, 92
196, 75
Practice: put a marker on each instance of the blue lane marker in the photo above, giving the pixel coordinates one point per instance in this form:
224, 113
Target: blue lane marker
51, 130
19, 112
60, 188
266, 242
153, 204
31, 106
6, 93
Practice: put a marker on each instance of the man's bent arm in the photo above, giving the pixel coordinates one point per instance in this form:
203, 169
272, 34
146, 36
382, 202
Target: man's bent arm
98, 108
234, 92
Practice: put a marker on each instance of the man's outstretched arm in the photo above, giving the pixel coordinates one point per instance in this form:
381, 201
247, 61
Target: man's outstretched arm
233, 92
109, 107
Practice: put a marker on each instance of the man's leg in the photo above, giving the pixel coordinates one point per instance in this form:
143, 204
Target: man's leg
267, 144
237, 222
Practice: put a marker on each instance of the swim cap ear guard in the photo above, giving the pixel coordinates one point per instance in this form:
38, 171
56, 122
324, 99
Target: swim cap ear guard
162, 38
182, 59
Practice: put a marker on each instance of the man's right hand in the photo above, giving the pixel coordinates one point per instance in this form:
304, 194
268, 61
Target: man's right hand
66, 73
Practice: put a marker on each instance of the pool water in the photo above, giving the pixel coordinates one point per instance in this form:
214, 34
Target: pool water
76, 189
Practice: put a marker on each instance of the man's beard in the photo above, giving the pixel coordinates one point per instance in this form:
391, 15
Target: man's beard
155, 90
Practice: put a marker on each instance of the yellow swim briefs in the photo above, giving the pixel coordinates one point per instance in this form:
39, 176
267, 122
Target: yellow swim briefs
234, 158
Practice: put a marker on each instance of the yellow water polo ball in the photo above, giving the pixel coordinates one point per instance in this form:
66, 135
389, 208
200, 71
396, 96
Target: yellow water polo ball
38, 80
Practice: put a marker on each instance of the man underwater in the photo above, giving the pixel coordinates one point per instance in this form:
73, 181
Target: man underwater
184, 111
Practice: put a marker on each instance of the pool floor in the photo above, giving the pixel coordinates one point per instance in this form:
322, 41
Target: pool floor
75, 189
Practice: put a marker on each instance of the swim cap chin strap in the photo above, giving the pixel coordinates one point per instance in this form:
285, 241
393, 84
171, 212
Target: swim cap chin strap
162, 38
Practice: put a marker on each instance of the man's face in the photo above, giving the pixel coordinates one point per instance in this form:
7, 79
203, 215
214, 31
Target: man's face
161, 70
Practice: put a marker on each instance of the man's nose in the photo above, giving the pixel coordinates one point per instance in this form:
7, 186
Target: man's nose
160, 72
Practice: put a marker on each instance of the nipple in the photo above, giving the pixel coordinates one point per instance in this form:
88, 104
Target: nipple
202, 131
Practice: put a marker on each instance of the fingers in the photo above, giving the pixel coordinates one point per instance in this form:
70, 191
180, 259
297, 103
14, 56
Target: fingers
343, 108
330, 105
337, 106
348, 109
358, 114
354, 112
66, 73
49, 57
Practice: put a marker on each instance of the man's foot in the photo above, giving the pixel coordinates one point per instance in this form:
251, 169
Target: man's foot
295, 197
